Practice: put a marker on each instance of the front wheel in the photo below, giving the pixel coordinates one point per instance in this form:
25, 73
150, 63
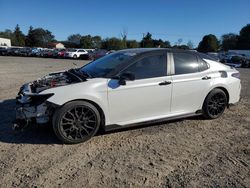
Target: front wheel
215, 104
76, 122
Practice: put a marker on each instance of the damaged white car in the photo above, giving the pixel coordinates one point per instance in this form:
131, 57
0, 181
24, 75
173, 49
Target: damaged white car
127, 88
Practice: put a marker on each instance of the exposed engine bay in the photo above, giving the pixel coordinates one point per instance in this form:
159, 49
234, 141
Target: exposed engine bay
31, 105
51, 80
56, 80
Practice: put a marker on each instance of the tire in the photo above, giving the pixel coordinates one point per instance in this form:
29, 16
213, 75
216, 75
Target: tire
215, 104
75, 56
76, 122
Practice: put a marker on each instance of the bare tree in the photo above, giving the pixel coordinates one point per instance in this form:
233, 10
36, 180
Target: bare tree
190, 44
179, 42
124, 34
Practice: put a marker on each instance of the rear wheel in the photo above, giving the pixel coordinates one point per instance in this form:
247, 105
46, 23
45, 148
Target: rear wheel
215, 104
76, 122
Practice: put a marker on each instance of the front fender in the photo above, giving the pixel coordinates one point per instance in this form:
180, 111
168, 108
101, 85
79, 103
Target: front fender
95, 91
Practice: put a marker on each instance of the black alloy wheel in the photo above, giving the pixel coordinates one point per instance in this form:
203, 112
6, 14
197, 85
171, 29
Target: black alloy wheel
215, 104
76, 122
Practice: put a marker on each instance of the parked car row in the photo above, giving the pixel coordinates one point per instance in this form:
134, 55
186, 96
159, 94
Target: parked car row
232, 59
236, 61
85, 54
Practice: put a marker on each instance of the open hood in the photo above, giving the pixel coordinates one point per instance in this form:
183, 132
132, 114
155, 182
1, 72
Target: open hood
56, 79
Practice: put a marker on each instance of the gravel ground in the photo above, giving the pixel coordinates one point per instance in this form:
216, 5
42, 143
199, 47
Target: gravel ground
184, 153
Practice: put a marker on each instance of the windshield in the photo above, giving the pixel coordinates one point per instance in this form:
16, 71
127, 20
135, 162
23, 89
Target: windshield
102, 67
71, 50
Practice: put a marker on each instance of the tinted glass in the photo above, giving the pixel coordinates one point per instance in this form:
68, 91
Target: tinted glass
185, 63
203, 65
149, 67
72, 50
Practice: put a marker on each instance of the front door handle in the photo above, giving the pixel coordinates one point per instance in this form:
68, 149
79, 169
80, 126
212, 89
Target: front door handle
206, 78
165, 83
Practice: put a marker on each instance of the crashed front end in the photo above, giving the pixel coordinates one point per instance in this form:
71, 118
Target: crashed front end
32, 108
31, 103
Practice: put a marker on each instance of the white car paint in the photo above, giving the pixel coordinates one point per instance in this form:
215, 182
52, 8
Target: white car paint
143, 100
189, 91
93, 90
139, 100
231, 84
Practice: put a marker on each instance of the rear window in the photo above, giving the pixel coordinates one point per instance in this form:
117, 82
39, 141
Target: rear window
203, 65
185, 63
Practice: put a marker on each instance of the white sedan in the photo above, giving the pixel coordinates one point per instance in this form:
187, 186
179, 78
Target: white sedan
75, 53
127, 88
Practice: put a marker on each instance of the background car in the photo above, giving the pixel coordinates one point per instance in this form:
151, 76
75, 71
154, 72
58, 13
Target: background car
3, 50
99, 53
47, 53
35, 52
75, 53
96, 54
13, 51
234, 60
61, 53
88, 56
25, 51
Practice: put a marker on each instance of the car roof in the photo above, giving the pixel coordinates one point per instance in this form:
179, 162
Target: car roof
147, 50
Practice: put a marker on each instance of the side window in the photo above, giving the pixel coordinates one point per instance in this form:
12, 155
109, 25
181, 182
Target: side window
149, 67
203, 65
81, 51
185, 63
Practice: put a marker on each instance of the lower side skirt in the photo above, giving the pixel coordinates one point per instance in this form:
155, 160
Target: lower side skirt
116, 126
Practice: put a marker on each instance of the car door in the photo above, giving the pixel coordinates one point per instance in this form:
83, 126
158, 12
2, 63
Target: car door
80, 52
192, 81
146, 98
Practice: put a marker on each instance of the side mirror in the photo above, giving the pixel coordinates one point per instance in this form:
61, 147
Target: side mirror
124, 77
128, 76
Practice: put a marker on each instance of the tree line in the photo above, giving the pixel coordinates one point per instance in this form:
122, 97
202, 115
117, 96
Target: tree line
40, 37
230, 41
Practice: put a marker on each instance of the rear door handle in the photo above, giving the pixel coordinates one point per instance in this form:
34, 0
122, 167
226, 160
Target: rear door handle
165, 83
206, 78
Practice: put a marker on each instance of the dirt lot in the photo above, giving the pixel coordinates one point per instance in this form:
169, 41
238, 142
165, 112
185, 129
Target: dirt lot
186, 153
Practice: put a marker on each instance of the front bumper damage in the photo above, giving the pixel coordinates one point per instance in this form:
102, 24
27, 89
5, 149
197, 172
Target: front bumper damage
32, 108
26, 114
32, 100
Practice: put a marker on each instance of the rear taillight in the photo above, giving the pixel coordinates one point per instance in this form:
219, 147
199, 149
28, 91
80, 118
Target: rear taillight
236, 75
